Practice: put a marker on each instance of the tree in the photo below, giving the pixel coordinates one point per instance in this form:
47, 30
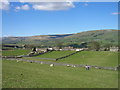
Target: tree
83, 45
59, 44
107, 46
74, 45
94, 45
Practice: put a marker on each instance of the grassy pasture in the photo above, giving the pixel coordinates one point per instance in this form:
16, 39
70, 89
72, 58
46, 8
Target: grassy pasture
34, 75
99, 58
15, 52
55, 54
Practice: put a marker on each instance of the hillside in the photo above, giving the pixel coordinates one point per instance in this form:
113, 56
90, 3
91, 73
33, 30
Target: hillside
102, 36
13, 40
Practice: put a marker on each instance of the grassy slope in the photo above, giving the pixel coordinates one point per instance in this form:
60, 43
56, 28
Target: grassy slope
42, 76
104, 36
15, 52
55, 54
101, 58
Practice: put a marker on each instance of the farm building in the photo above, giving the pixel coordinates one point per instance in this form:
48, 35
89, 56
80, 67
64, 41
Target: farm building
79, 49
114, 49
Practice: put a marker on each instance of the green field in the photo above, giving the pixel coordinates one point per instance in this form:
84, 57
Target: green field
34, 75
15, 52
55, 54
99, 58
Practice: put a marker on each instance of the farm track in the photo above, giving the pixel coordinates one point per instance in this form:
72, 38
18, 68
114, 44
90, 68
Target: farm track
63, 64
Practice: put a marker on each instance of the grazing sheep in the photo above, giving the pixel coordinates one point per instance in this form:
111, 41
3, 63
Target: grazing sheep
51, 65
41, 62
74, 66
68, 65
116, 68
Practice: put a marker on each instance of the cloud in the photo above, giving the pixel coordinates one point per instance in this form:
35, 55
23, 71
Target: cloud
51, 6
115, 13
4, 5
22, 1
86, 4
24, 7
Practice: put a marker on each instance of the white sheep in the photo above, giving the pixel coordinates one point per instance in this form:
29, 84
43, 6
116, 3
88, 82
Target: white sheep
68, 65
74, 66
51, 65
41, 62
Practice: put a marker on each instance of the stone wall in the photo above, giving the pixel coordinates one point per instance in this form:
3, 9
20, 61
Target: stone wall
65, 64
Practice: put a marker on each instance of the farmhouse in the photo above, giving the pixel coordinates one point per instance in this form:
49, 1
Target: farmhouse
79, 49
50, 49
104, 49
45, 49
114, 49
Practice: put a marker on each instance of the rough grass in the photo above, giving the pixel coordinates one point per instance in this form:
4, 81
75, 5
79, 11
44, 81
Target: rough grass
15, 52
34, 75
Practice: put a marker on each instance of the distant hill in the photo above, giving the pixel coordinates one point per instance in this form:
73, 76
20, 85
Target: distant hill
14, 40
102, 36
